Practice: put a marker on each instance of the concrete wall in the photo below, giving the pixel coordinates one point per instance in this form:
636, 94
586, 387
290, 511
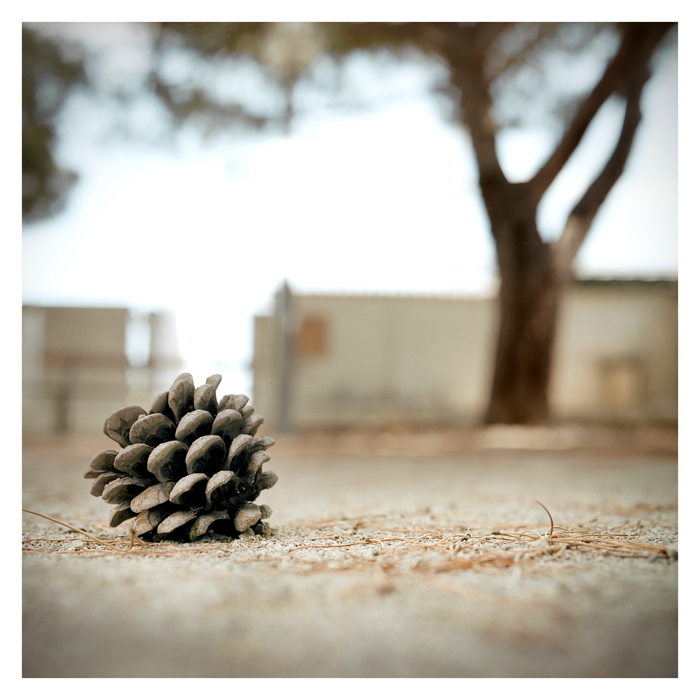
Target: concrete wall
367, 360
390, 359
617, 352
75, 371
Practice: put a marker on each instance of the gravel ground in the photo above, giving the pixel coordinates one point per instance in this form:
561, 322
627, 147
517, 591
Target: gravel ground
392, 555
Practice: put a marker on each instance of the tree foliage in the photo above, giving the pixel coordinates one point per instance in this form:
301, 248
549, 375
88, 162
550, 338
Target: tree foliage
48, 77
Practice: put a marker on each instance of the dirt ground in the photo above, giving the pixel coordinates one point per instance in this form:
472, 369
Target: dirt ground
392, 555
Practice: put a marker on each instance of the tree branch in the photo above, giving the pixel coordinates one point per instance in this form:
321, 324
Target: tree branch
636, 47
486, 34
545, 30
581, 217
463, 47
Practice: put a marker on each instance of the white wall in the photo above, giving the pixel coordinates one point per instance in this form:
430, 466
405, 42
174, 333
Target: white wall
427, 360
616, 354
393, 358
75, 370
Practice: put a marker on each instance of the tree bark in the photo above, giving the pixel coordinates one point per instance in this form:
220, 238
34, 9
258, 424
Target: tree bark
528, 306
528, 310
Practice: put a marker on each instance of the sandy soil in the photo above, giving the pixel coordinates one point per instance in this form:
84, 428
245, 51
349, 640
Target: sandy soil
460, 602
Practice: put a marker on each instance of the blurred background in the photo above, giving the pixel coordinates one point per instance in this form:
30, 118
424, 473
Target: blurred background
298, 208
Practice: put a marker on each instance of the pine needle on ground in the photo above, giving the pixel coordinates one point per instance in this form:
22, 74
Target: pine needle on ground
380, 543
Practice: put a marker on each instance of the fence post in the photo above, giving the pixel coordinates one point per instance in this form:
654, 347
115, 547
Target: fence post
283, 312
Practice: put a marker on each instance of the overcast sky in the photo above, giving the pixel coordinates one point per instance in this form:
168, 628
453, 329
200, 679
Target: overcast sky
382, 200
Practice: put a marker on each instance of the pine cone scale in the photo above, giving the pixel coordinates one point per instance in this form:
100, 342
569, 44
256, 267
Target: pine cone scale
181, 398
190, 490
148, 519
152, 429
174, 521
204, 522
167, 461
123, 488
102, 480
100, 463
205, 399
247, 516
266, 480
133, 460
152, 496
118, 425
120, 513
194, 425
206, 455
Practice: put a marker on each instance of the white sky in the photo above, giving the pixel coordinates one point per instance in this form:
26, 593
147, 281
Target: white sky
385, 200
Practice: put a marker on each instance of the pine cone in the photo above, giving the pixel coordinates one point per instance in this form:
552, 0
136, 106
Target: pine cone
187, 466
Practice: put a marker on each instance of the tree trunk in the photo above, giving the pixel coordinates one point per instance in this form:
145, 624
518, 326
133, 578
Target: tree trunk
528, 308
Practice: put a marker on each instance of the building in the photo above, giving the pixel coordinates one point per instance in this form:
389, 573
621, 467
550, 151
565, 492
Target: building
326, 361
75, 368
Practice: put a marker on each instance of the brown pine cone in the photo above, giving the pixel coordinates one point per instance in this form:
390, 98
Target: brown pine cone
187, 466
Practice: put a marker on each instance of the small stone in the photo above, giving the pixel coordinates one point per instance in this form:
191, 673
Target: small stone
265, 511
